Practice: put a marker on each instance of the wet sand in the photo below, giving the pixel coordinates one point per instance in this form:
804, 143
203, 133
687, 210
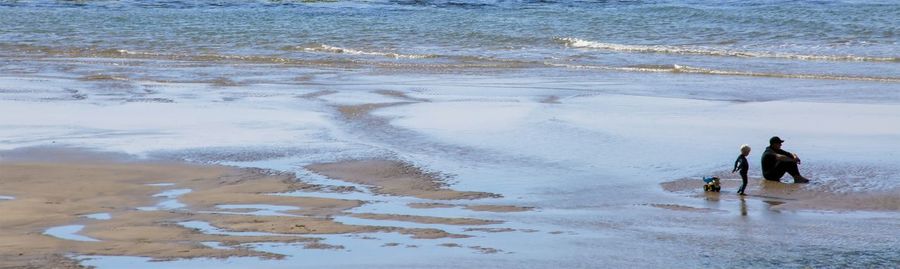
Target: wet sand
59, 192
487, 208
814, 196
594, 178
395, 178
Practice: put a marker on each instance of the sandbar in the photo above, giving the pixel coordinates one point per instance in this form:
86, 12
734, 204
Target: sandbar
66, 190
395, 178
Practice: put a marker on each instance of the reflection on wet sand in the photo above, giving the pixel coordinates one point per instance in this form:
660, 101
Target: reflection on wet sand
788, 196
743, 207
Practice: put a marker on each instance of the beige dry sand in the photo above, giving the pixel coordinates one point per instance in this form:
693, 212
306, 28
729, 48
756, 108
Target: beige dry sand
394, 178
789, 196
317, 94
60, 190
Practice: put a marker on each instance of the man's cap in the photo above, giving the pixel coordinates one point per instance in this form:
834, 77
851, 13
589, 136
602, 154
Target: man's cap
774, 140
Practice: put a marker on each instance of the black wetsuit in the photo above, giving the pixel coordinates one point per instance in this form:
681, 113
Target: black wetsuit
741, 165
773, 169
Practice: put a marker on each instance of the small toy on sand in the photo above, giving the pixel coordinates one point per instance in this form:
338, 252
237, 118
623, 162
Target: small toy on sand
712, 184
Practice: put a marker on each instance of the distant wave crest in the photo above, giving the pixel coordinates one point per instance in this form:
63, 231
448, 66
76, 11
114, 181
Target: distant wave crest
339, 50
675, 68
664, 49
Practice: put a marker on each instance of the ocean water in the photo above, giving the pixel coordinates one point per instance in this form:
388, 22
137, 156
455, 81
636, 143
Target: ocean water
827, 40
578, 108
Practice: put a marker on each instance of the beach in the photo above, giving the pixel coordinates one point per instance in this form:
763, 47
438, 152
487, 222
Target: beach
468, 134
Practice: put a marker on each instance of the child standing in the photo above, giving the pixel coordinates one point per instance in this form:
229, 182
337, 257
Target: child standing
741, 165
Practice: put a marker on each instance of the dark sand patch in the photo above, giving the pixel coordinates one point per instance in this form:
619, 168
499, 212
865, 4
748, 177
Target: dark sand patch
149, 100
553, 99
223, 82
103, 77
486, 208
356, 112
395, 178
400, 95
319, 245
427, 220
430, 205
317, 94
498, 208
490, 230
685, 208
485, 250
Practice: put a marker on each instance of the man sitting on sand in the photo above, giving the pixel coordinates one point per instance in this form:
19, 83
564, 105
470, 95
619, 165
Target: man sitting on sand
775, 162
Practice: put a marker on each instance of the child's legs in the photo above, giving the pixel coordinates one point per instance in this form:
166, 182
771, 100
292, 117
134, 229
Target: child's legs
743, 181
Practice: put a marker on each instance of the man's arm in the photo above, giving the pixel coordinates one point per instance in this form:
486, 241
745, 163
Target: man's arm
784, 156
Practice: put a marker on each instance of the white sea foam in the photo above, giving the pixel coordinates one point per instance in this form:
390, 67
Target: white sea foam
666, 49
676, 68
340, 50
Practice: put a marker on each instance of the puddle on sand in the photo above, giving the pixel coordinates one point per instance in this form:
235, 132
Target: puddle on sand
69, 232
255, 210
170, 203
172, 193
99, 216
4, 197
215, 245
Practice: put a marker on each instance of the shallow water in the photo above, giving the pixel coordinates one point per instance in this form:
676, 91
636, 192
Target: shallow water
171, 201
69, 232
257, 210
99, 216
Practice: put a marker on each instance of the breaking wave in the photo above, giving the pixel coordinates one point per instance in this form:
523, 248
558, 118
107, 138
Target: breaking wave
339, 50
675, 68
449, 62
663, 49
131, 54
445, 62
